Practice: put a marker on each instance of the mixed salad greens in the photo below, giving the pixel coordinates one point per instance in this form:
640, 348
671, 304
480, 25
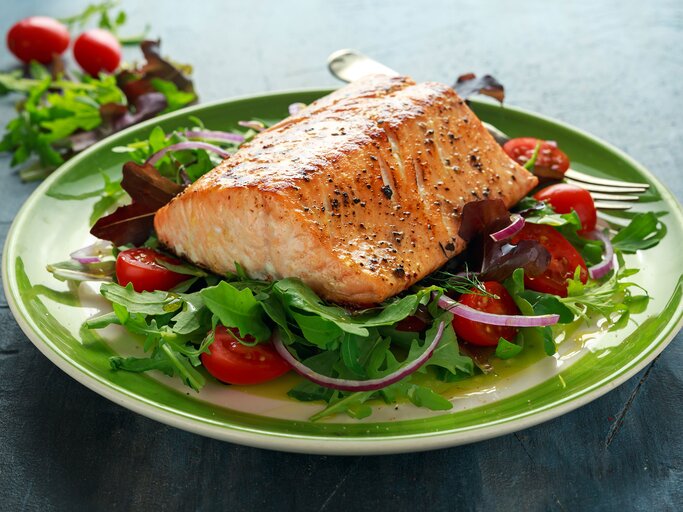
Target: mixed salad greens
524, 278
62, 111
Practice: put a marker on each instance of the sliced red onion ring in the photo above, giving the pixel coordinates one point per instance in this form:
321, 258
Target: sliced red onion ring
295, 108
254, 125
475, 315
213, 135
187, 145
516, 224
607, 263
93, 253
357, 385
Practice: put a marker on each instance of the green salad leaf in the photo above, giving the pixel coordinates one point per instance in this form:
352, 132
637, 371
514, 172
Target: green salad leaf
236, 308
644, 231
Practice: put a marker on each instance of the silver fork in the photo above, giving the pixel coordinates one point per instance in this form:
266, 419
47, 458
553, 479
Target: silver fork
349, 65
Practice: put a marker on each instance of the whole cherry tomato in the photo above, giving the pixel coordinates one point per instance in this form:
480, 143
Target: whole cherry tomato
37, 38
97, 50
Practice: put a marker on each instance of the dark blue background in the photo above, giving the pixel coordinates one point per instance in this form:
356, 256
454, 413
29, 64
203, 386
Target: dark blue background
613, 69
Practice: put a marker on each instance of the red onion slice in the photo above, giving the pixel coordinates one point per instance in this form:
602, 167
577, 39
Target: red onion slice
93, 253
357, 385
187, 145
516, 224
254, 125
475, 315
607, 263
213, 135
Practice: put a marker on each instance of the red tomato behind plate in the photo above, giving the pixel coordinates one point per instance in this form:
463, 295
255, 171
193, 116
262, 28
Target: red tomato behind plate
564, 259
37, 38
140, 267
97, 50
235, 363
564, 198
478, 333
551, 162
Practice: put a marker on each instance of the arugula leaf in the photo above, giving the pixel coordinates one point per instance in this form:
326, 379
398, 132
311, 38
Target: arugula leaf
507, 350
307, 391
346, 404
602, 298
422, 396
295, 295
174, 98
194, 315
165, 359
317, 330
546, 304
644, 231
143, 364
236, 308
72, 270
447, 354
548, 341
147, 303
350, 353
186, 269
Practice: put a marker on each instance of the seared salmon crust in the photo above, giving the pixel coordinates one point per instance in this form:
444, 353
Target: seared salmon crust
359, 195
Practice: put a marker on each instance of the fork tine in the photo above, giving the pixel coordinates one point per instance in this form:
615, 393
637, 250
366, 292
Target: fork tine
597, 196
585, 178
601, 205
608, 189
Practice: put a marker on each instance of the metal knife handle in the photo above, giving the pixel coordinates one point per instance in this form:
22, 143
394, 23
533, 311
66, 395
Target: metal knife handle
349, 65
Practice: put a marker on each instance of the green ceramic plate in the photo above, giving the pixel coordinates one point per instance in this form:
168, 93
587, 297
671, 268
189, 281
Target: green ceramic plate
589, 363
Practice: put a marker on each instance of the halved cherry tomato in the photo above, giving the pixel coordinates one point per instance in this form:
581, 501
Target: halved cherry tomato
97, 50
551, 162
140, 267
478, 333
235, 363
564, 259
37, 38
564, 198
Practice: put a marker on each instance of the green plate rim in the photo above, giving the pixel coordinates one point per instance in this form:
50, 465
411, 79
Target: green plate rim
326, 444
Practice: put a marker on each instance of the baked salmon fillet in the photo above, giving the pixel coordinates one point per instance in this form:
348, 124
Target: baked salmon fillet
359, 195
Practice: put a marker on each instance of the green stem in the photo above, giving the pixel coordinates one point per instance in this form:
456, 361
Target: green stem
532, 161
189, 379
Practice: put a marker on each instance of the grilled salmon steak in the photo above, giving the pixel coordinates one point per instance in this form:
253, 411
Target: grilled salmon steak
359, 195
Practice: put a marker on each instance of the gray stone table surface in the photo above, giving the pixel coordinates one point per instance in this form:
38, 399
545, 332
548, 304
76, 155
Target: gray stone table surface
612, 68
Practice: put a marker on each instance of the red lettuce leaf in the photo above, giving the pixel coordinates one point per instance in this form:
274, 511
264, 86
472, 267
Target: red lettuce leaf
501, 259
133, 223
146, 106
497, 261
138, 82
